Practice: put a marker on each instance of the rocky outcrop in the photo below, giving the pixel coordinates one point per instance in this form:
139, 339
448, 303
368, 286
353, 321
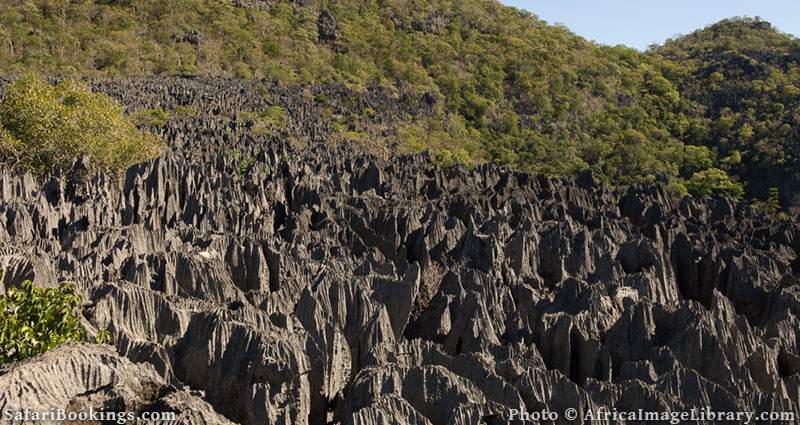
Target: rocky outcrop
326, 285
327, 26
254, 4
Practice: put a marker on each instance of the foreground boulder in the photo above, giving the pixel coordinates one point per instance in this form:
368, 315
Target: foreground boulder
82, 378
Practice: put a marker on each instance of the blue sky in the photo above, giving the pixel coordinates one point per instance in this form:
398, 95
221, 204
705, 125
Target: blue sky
639, 23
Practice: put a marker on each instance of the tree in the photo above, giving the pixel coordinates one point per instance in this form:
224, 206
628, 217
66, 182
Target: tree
714, 182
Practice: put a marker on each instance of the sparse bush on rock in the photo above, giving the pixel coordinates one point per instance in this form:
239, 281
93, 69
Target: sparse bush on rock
34, 320
156, 117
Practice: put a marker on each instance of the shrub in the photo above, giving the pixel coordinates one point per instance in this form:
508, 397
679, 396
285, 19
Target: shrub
770, 206
242, 162
186, 71
272, 118
185, 111
103, 337
44, 127
150, 117
34, 320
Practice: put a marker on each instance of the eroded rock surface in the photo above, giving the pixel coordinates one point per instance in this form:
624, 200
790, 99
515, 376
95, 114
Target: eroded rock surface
81, 378
326, 285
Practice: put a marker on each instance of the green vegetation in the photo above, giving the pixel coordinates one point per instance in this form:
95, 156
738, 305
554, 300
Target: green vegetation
243, 162
185, 111
450, 141
150, 117
770, 206
720, 105
103, 337
44, 127
713, 182
34, 320
742, 78
273, 118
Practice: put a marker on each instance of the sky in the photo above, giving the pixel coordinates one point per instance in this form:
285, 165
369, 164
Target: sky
640, 23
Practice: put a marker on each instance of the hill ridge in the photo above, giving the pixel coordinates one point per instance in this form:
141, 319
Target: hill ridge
505, 87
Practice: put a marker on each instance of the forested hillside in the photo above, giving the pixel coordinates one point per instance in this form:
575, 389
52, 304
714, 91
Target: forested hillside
708, 112
744, 78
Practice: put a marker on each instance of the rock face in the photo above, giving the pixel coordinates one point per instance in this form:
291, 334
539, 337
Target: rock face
327, 26
253, 4
85, 378
324, 285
